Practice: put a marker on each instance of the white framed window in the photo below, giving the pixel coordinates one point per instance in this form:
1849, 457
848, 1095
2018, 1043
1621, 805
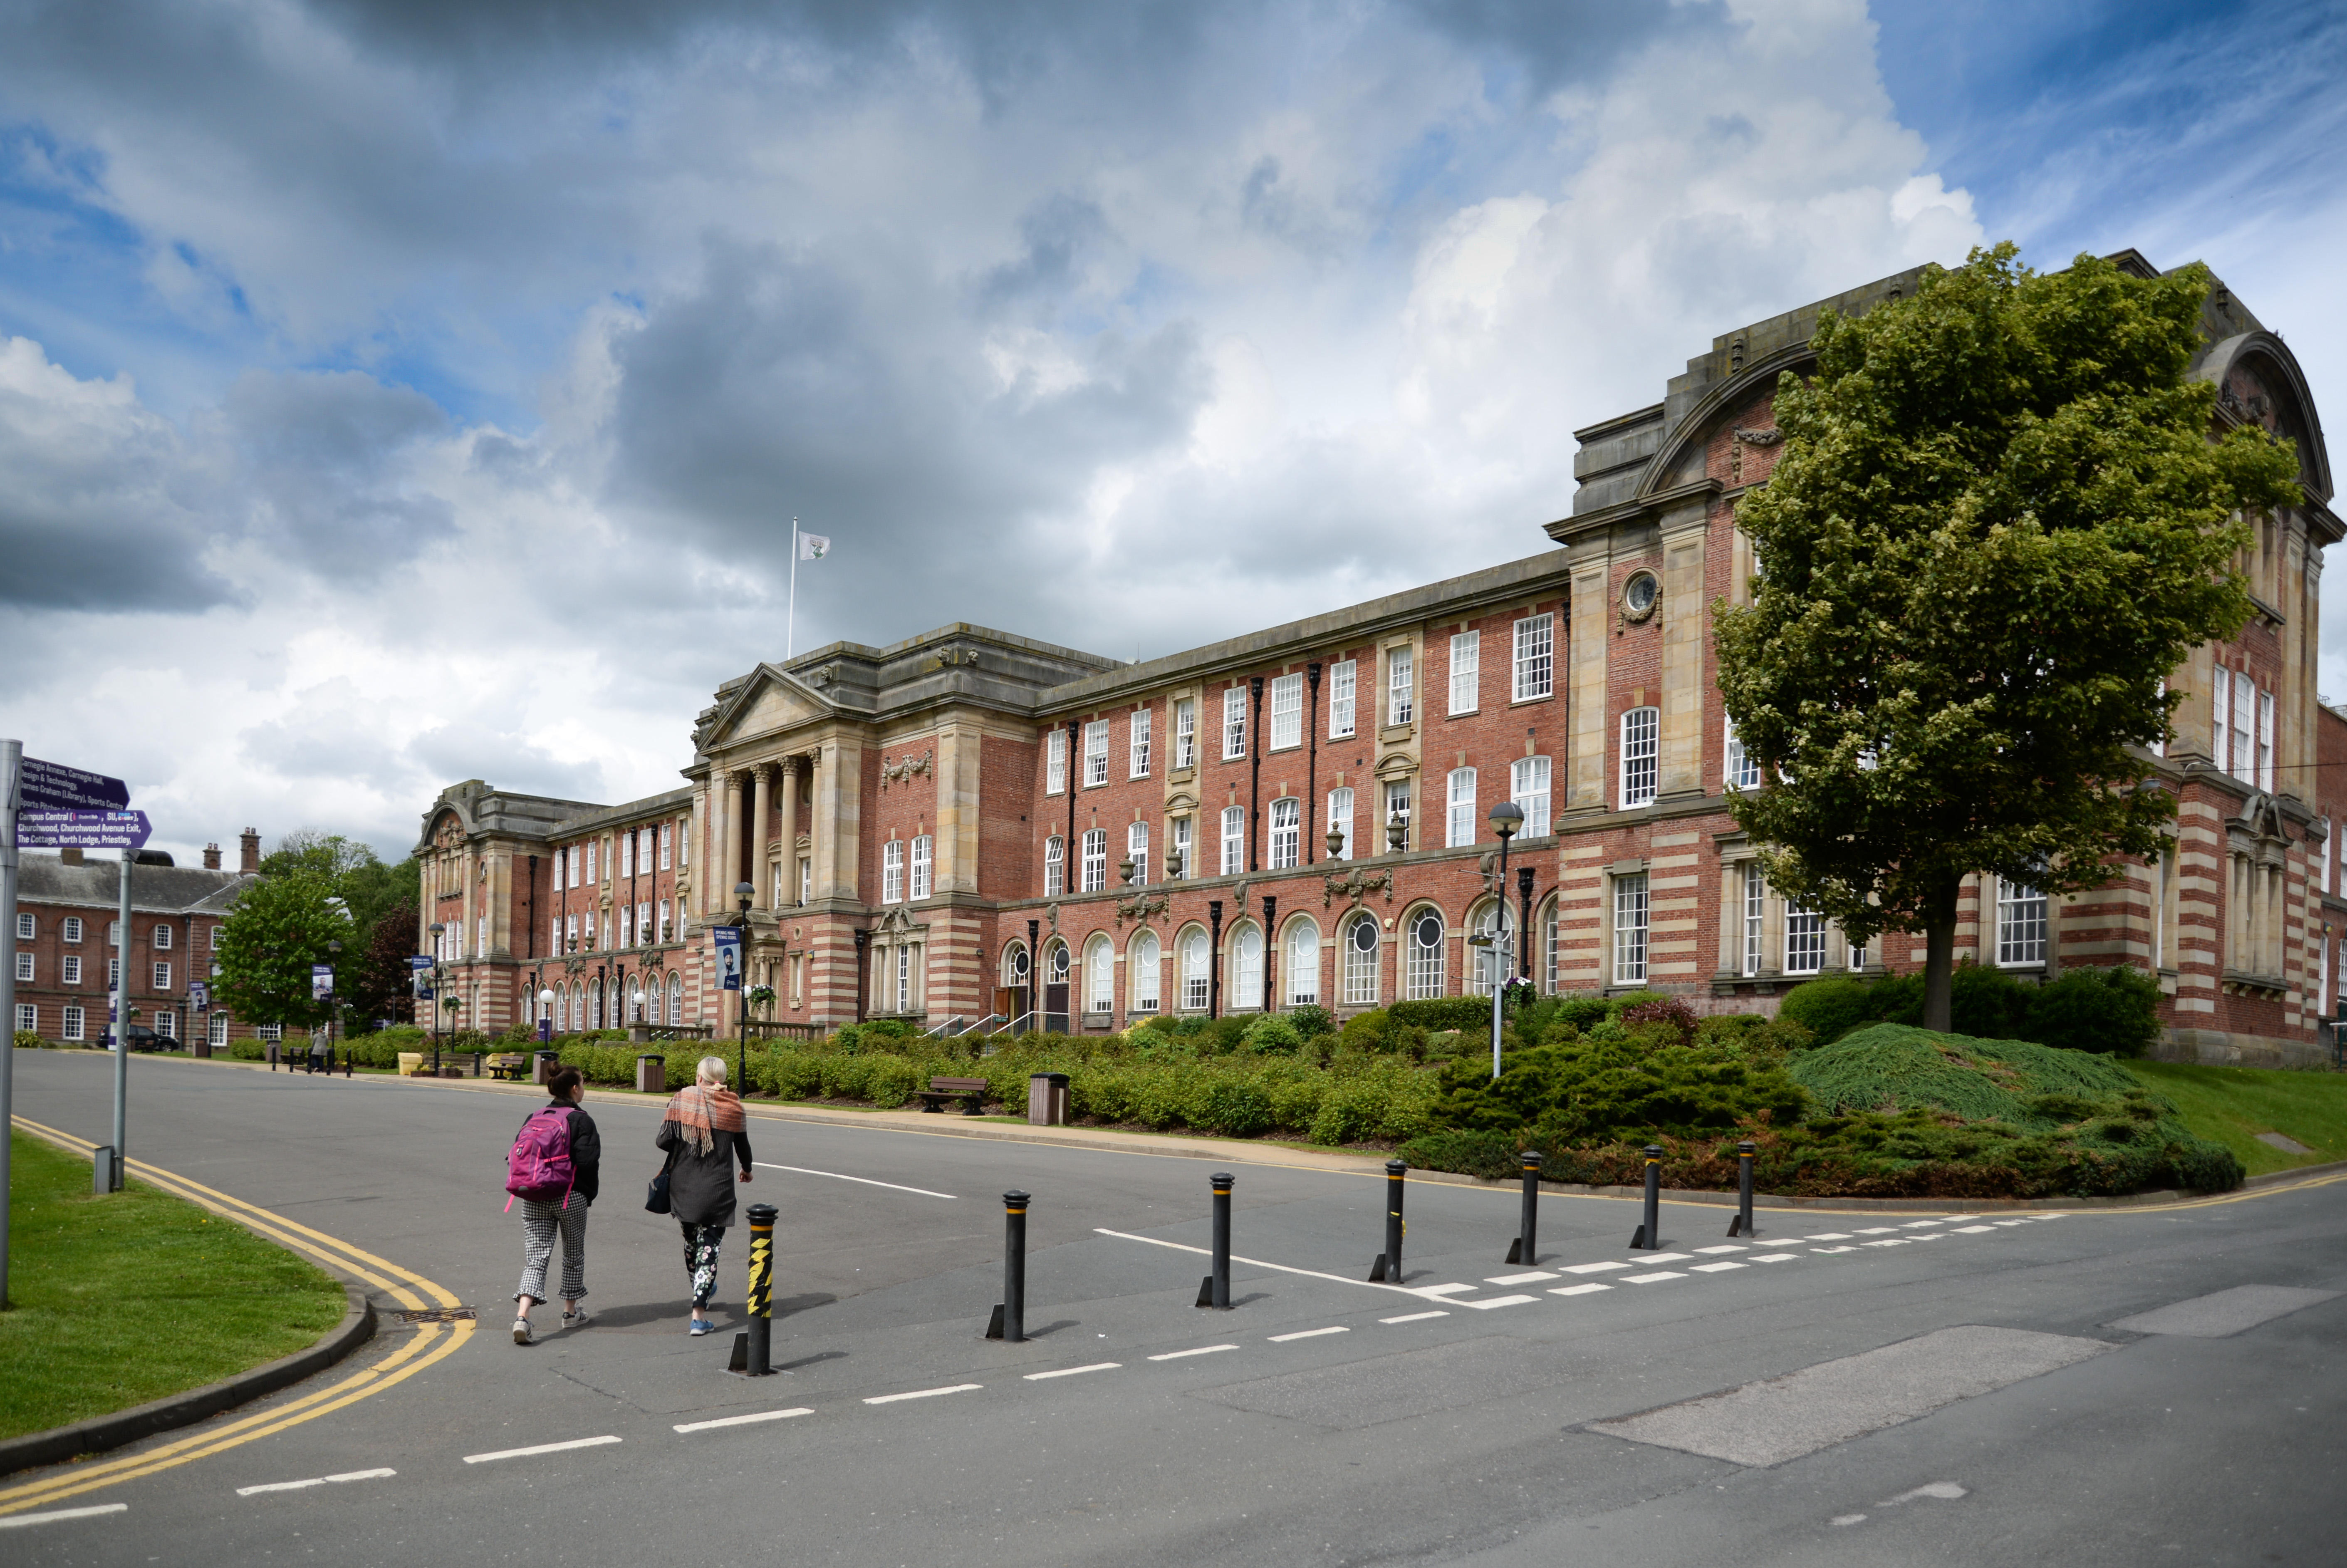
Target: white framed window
1535, 666
1185, 732
1302, 964
2266, 741
1340, 820
28, 1017
1095, 753
924, 866
1137, 745
1528, 787
627, 926
2245, 740
668, 840
481, 937
1340, 699
1466, 671
661, 905
903, 977
1055, 761
1100, 975
1286, 834
1397, 807
1143, 972
1246, 994
1361, 962
1055, 866
1401, 686
216, 938
1287, 712
628, 853
69, 970
1630, 929
1422, 946
1095, 844
216, 1028
1233, 840
607, 928
2020, 923
166, 1023
1857, 957
1189, 864
591, 877
684, 843
114, 974
1459, 827
114, 933
576, 851
70, 1022
25, 928
25, 966
1235, 716
1198, 976
2330, 850
1741, 771
1551, 946
1640, 737
1136, 849
72, 931
1756, 908
558, 858
1805, 941
572, 922
644, 923
807, 881
160, 937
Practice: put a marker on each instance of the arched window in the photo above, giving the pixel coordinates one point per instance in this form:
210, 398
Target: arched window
1015, 964
1286, 834
1095, 859
1247, 968
1340, 820
1141, 962
1548, 924
1055, 866
1483, 962
1233, 841
1422, 935
1303, 964
1198, 971
675, 1000
1361, 962
595, 1004
1055, 963
1100, 975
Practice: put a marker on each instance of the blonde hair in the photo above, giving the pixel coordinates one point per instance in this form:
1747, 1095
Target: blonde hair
711, 1070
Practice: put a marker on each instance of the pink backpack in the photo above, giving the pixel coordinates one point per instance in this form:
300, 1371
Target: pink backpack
538, 1167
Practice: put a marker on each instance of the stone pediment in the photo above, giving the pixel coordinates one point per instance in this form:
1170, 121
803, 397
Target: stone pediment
769, 701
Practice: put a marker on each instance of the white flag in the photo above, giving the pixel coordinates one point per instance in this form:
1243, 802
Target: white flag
813, 547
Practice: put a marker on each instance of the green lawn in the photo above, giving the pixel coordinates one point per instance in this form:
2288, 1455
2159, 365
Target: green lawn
2232, 1104
122, 1300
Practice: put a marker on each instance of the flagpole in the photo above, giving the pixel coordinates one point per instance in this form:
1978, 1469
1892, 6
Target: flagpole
791, 622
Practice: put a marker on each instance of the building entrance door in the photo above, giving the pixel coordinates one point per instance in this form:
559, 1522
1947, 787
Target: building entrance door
1055, 1007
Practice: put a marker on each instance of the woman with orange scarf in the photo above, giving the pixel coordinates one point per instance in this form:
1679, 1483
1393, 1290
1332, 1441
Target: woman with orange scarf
704, 1135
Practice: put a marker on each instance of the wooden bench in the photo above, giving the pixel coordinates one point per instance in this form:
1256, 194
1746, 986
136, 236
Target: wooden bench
511, 1065
971, 1091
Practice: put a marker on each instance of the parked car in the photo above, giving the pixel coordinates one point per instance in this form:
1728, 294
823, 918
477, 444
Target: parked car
139, 1037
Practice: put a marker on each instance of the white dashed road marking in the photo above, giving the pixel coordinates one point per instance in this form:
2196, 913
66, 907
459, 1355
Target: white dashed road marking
1729, 1246
1072, 1371
1592, 1267
1578, 1290
744, 1420
1975, 1230
541, 1448
1307, 1334
1830, 1235
1715, 1267
18, 1521
1534, 1275
1777, 1257
1655, 1278
923, 1393
1413, 1318
315, 1481
839, 1176
1497, 1301
1201, 1350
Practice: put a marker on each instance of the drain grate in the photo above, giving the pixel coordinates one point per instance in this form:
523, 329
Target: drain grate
438, 1314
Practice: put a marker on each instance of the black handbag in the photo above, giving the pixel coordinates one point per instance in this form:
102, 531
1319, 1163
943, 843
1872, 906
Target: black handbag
656, 1195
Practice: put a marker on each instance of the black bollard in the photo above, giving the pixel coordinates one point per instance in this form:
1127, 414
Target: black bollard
1215, 1290
1388, 1264
1010, 1322
1525, 1248
758, 1303
1650, 1232
1742, 1223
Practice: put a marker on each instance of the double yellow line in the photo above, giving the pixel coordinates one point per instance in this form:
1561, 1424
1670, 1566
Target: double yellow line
433, 1342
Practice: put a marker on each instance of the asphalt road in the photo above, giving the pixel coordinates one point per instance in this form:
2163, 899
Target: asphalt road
1952, 1390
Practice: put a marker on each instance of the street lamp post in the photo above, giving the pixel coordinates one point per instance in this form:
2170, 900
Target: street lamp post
545, 1015
333, 1001
743, 895
439, 998
1506, 818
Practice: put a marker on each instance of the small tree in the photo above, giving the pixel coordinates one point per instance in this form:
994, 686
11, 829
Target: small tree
384, 984
279, 927
1999, 522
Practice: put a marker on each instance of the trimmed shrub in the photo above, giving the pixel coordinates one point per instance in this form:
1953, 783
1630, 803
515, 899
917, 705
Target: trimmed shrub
1312, 1020
1669, 1011
1437, 1014
1829, 1006
1273, 1035
2110, 1011
1598, 1090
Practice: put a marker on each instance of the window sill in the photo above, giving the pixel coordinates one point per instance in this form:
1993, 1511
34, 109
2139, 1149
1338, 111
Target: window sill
1463, 713
1530, 702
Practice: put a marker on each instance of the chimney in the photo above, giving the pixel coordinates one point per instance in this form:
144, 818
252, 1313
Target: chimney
211, 857
69, 855
249, 842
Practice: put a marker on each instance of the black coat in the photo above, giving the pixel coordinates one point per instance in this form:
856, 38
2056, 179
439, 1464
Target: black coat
700, 1186
586, 1150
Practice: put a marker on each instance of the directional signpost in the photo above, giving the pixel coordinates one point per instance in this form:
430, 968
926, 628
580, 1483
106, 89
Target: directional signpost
50, 829
56, 787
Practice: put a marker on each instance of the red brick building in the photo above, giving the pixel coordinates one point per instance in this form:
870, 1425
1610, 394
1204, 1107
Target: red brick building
68, 914
971, 824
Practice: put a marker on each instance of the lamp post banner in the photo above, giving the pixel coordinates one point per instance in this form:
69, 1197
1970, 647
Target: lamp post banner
49, 828
200, 995
56, 787
322, 982
728, 942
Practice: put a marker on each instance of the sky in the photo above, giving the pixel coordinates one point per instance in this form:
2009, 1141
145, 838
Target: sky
398, 392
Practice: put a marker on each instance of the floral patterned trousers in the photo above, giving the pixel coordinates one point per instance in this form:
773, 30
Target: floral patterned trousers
701, 1245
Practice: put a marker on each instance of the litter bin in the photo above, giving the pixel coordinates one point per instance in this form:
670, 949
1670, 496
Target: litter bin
651, 1074
411, 1063
548, 1061
1047, 1100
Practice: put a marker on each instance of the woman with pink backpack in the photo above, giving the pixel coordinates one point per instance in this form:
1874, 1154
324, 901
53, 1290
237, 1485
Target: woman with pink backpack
554, 1171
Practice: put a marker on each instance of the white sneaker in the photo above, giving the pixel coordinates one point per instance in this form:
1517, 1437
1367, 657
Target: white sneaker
523, 1334
578, 1316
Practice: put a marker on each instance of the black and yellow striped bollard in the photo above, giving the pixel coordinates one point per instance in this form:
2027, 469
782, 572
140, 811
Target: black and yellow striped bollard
759, 1303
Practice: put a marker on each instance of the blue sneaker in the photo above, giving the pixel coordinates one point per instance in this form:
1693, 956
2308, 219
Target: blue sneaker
702, 1326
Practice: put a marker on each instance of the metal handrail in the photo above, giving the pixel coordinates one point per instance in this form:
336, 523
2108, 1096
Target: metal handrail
942, 1030
980, 1024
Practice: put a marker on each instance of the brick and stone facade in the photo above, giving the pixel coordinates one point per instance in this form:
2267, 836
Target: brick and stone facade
940, 829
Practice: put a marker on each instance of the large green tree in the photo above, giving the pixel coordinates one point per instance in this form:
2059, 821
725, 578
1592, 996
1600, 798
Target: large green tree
277, 928
1999, 521
369, 886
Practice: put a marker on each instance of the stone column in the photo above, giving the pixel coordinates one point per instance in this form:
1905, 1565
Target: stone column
1586, 785
788, 895
1684, 639
761, 820
720, 892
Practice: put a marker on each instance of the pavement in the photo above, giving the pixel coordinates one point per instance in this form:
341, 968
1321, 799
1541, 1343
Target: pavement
1863, 1388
